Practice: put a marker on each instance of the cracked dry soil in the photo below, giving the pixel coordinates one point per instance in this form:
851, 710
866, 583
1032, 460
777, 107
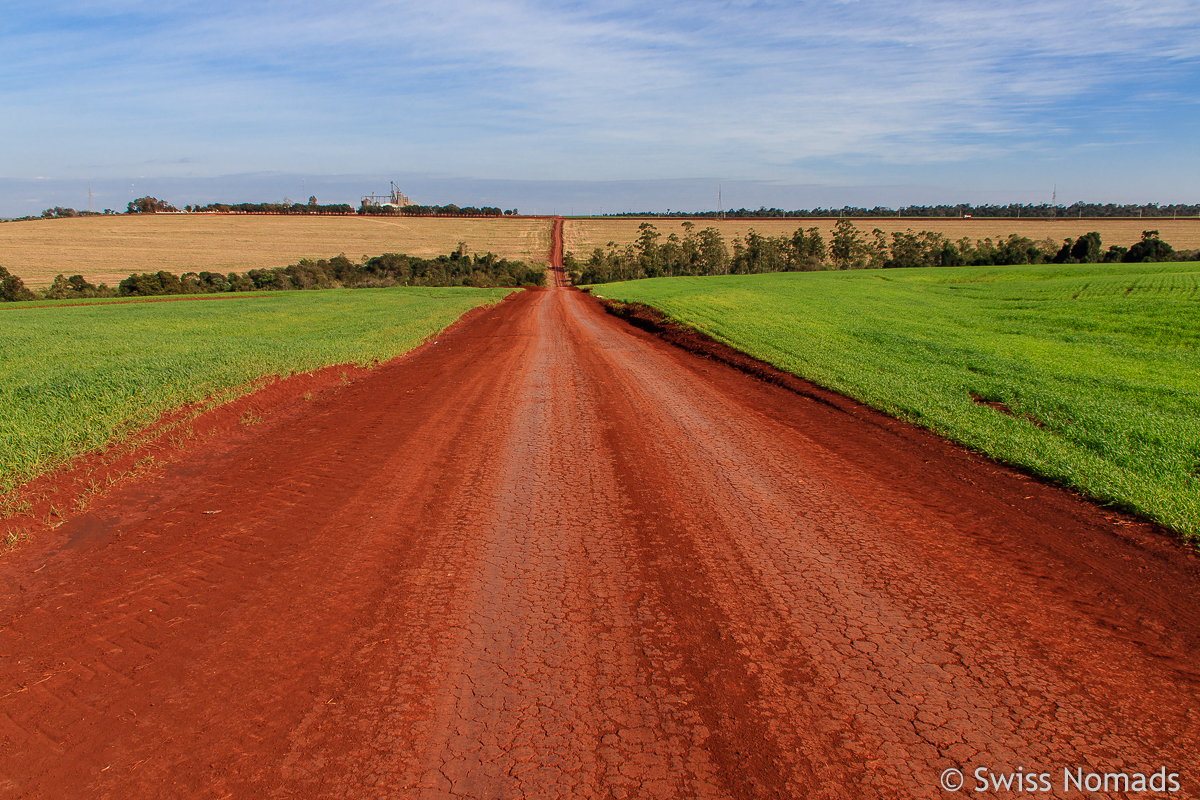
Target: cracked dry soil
552, 556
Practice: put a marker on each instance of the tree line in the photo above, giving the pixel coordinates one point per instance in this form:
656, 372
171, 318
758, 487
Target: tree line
459, 268
153, 205
988, 211
704, 252
13, 289
58, 212
286, 207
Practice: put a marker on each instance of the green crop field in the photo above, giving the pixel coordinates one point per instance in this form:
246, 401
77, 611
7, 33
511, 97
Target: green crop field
75, 378
1105, 359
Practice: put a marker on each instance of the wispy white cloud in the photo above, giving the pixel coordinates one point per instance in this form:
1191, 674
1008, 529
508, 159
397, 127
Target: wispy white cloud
522, 88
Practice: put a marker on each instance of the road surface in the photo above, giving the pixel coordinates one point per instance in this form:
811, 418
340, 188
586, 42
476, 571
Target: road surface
552, 556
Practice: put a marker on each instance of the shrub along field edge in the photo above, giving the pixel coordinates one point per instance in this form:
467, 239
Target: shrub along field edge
1088, 375
459, 268
691, 252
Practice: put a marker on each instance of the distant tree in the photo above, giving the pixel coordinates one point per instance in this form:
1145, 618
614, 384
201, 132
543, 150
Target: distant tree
757, 253
347, 272
1063, 256
59, 289
170, 282
206, 282
58, 212
1087, 248
1084, 250
1018, 250
808, 249
150, 284
1115, 254
238, 282
846, 248
149, 205
909, 249
79, 284
714, 257
12, 288
877, 252
1150, 248
312, 201
951, 255
647, 246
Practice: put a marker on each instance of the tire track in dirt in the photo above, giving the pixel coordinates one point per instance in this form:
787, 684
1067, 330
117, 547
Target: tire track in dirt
551, 556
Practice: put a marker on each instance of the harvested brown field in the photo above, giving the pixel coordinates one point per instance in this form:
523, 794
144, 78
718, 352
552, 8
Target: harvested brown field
108, 249
583, 235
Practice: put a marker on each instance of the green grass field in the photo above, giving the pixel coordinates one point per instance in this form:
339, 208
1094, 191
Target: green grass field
1106, 359
75, 378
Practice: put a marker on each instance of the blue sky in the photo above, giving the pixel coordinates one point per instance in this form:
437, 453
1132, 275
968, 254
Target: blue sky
572, 106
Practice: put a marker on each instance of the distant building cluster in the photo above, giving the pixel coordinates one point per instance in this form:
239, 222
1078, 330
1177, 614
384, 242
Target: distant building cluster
397, 198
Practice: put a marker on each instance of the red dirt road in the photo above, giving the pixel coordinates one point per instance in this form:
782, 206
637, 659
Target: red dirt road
558, 278
552, 556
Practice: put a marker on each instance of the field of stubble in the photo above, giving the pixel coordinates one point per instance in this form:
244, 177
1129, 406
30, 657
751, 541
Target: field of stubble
581, 236
108, 249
